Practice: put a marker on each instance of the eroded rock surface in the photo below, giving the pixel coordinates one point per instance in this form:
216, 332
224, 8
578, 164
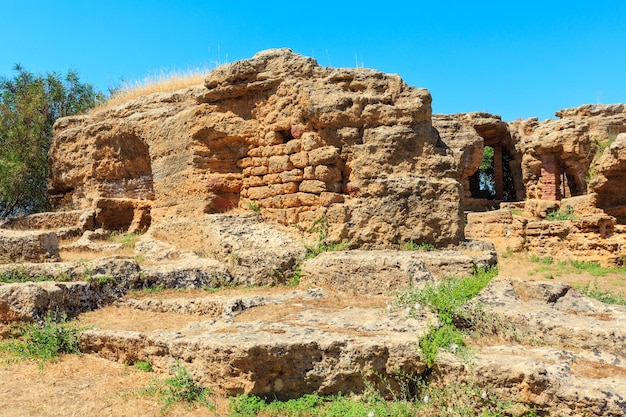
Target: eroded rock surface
278, 345
610, 183
28, 246
386, 271
565, 145
279, 132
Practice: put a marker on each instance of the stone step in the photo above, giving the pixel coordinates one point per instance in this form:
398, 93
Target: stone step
281, 344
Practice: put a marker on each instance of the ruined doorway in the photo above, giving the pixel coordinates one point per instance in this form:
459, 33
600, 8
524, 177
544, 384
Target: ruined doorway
494, 178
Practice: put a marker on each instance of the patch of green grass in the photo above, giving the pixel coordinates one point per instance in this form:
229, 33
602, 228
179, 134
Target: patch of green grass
463, 398
596, 269
550, 269
547, 260
148, 290
144, 366
507, 253
562, 214
517, 212
605, 296
100, 280
127, 239
44, 341
413, 246
20, 275
294, 281
179, 388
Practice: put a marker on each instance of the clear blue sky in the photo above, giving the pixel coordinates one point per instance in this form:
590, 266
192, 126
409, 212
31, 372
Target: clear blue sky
513, 58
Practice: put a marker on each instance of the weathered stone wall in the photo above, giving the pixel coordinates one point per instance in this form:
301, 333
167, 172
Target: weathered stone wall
610, 182
278, 131
467, 134
568, 145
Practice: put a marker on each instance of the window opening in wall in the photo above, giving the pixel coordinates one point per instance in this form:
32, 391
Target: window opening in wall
494, 179
486, 174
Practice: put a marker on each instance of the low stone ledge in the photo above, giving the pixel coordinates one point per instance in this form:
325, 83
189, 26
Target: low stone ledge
28, 246
32, 301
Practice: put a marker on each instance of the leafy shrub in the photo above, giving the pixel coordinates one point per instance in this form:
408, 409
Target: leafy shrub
449, 300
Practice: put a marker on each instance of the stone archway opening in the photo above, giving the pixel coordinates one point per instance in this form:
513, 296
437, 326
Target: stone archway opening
124, 171
494, 179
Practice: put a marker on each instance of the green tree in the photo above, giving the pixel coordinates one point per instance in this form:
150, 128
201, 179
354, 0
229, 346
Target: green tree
486, 171
29, 106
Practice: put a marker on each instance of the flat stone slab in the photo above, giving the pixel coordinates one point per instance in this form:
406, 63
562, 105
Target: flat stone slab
385, 271
255, 253
560, 382
556, 314
280, 345
28, 246
32, 301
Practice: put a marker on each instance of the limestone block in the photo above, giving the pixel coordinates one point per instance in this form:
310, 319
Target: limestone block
326, 155
279, 163
300, 159
327, 173
365, 272
293, 146
294, 175
28, 246
311, 140
258, 193
312, 186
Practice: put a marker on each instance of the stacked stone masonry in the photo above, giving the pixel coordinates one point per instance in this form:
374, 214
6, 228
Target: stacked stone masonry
353, 147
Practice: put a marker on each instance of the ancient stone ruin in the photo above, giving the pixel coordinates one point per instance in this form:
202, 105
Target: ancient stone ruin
234, 181
278, 132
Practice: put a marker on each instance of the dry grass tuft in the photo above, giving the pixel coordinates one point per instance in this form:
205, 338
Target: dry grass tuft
162, 82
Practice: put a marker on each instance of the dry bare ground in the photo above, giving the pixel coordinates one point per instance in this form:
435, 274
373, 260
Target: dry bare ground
85, 385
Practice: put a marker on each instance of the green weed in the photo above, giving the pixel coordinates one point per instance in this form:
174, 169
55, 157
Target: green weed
148, 290
294, 281
254, 208
100, 280
43, 341
596, 269
144, 366
443, 337
320, 226
179, 388
127, 239
463, 398
562, 214
20, 275
605, 296
413, 246
550, 269
449, 300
